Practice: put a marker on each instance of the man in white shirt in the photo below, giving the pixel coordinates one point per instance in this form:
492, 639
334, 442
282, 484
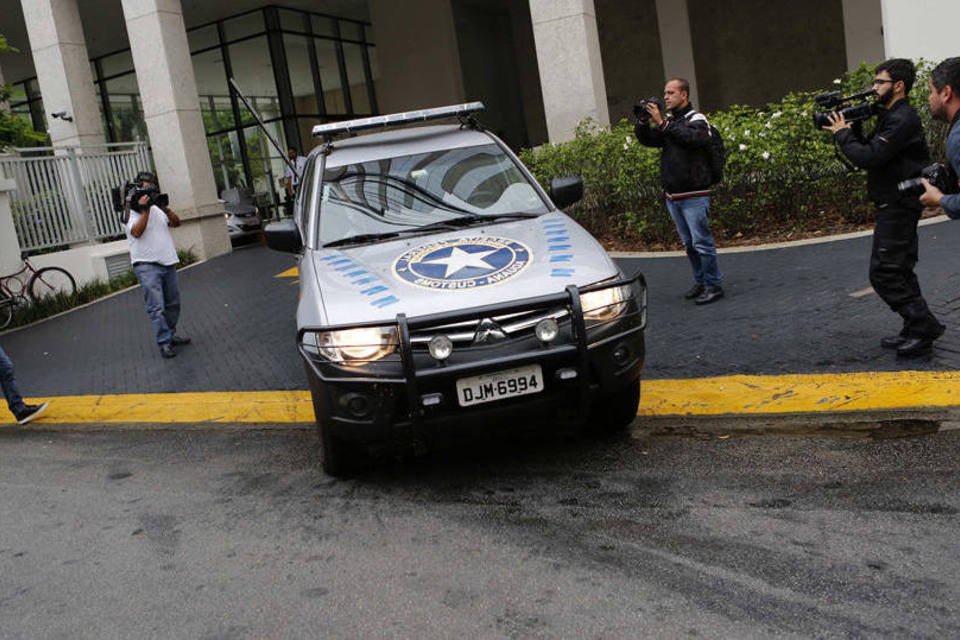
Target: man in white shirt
154, 257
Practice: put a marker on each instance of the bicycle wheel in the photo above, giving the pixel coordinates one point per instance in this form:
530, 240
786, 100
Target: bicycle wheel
6, 311
51, 281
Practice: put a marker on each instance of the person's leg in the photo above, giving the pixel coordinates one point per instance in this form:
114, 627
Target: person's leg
9, 384
683, 230
151, 281
171, 298
696, 212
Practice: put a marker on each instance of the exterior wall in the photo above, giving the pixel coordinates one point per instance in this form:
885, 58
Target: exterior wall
632, 61
921, 28
86, 263
863, 32
755, 51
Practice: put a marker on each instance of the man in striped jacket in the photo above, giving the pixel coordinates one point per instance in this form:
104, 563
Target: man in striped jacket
684, 135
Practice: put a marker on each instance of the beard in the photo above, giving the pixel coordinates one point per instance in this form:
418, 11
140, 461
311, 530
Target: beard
884, 99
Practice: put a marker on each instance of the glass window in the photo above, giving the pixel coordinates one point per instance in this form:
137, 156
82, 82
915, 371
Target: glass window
353, 56
225, 157
293, 21
330, 76
243, 26
212, 90
126, 110
323, 26
351, 30
117, 63
405, 192
301, 76
266, 165
203, 38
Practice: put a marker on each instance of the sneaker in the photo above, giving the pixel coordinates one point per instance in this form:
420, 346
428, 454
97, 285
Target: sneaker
30, 412
694, 291
167, 351
179, 341
893, 342
710, 294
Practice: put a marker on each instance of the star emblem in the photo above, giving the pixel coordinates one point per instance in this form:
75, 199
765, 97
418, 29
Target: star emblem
460, 259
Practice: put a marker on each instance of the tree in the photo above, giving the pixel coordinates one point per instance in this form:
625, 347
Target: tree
15, 130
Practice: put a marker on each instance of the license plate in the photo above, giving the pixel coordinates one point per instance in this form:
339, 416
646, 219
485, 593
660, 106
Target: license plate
502, 384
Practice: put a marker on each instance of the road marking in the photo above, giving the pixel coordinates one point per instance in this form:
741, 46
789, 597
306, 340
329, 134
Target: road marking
725, 395
292, 272
862, 292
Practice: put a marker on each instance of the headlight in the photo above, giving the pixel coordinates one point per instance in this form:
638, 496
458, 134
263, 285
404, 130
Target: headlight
355, 346
605, 304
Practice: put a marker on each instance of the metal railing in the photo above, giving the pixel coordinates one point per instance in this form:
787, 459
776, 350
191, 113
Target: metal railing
62, 194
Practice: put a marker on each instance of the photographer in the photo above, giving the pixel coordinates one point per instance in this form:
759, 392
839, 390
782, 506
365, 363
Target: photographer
684, 136
944, 102
894, 151
154, 257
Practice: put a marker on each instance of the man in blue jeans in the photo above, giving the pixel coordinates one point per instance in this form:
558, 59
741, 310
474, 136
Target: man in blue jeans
154, 257
684, 136
23, 412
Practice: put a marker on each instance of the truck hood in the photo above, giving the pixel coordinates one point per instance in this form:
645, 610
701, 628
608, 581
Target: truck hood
453, 270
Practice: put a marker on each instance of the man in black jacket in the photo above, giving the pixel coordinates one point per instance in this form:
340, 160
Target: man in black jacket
894, 151
684, 136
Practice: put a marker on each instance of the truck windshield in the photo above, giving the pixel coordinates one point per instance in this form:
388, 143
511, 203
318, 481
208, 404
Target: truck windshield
377, 198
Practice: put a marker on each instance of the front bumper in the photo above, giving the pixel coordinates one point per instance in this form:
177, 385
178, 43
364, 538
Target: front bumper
370, 405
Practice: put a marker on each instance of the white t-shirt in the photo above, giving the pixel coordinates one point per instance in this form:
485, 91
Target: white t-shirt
155, 244
301, 164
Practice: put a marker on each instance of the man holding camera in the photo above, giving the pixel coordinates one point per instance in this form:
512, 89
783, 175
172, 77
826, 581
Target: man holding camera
893, 152
154, 257
684, 136
944, 102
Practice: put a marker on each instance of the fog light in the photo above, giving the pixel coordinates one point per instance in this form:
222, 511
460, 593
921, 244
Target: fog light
566, 374
621, 354
431, 399
440, 347
358, 405
547, 330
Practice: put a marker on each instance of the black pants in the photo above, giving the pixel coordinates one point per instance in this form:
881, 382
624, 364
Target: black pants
895, 253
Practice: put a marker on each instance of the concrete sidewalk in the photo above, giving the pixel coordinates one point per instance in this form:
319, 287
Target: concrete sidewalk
799, 310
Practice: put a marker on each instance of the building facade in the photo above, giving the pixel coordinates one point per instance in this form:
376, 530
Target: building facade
158, 70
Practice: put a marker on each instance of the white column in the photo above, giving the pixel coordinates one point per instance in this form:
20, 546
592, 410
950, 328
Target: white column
920, 28
673, 20
863, 32
9, 245
418, 54
171, 109
571, 72
63, 71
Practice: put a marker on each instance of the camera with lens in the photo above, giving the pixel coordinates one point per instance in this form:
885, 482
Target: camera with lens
938, 175
834, 101
640, 109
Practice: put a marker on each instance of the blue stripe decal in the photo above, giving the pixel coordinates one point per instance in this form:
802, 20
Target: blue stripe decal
383, 302
358, 272
329, 257
563, 258
374, 290
340, 261
559, 247
561, 273
363, 281
559, 239
346, 267
556, 232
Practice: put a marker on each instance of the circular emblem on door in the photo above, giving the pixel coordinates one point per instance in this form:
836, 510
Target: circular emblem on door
464, 263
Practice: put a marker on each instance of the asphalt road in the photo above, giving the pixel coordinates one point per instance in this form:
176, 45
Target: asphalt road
224, 533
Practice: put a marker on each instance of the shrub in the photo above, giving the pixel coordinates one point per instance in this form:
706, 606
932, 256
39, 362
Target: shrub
782, 174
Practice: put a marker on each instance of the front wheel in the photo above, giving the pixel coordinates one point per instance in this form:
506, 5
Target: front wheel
6, 311
51, 281
616, 411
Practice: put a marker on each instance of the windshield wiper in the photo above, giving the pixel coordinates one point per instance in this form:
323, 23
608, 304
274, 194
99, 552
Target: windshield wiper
362, 238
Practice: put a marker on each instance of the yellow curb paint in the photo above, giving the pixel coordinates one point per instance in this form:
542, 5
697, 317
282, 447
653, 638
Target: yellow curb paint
292, 272
800, 393
730, 395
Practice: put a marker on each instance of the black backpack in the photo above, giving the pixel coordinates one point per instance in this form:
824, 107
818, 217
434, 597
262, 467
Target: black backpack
716, 154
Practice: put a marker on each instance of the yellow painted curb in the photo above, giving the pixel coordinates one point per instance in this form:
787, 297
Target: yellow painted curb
726, 395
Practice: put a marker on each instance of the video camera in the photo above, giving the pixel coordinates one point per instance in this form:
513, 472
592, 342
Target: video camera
854, 113
128, 196
640, 109
938, 175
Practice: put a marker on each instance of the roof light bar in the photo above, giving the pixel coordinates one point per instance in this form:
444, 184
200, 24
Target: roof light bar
394, 119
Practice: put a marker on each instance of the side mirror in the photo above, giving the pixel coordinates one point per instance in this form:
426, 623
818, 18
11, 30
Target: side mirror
566, 191
283, 236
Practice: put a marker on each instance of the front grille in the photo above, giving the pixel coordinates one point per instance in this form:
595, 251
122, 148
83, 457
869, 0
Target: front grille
514, 325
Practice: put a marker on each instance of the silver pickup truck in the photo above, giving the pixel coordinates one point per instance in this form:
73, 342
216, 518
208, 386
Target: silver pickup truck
442, 289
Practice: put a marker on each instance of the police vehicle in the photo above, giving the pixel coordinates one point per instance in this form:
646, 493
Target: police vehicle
442, 288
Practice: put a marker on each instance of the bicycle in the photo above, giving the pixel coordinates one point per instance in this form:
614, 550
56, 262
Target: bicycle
41, 283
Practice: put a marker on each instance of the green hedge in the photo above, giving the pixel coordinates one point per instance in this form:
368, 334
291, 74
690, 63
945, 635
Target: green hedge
781, 174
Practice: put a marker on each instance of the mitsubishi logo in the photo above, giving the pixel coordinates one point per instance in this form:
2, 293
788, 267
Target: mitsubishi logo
488, 331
